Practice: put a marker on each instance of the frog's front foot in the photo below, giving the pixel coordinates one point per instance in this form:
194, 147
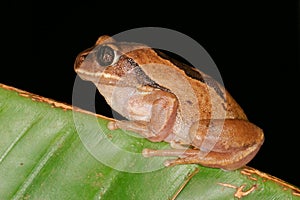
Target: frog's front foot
112, 125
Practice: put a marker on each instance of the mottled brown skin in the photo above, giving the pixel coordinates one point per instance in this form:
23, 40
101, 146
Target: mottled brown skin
197, 116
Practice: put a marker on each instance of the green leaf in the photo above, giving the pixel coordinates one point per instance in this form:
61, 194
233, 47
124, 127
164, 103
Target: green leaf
50, 151
246, 183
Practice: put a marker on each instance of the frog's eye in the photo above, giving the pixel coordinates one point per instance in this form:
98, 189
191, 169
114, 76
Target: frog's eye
105, 55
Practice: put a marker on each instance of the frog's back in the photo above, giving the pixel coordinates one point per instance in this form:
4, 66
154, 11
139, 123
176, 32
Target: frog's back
214, 102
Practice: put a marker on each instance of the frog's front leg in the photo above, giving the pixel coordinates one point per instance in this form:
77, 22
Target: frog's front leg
163, 108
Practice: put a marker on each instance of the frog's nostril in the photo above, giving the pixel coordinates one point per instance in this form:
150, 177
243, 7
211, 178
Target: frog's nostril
82, 58
79, 60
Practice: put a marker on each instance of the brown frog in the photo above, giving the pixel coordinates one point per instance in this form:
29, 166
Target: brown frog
165, 100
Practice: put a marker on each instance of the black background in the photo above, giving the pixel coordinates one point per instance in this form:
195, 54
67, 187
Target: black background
254, 46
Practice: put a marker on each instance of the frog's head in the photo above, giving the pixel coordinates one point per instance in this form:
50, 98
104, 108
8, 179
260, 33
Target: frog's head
92, 63
108, 61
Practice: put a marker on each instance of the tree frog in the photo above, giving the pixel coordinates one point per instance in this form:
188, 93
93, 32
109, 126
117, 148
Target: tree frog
166, 100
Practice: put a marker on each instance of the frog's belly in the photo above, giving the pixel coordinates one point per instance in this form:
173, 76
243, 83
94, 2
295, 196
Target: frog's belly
128, 102
137, 110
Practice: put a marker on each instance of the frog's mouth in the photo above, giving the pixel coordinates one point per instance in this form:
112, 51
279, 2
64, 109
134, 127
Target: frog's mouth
87, 76
85, 69
99, 77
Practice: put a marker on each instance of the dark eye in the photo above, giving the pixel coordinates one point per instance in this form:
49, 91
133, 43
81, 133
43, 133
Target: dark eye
105, 55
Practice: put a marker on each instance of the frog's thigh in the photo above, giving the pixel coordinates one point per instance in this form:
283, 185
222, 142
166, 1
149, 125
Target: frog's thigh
163, 115
232, 135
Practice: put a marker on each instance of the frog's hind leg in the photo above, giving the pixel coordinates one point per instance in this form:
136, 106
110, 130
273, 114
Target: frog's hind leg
185, 156
224, 160
170, 152
211, 159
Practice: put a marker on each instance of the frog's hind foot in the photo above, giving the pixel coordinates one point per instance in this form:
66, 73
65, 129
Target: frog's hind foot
185, 156
180, 161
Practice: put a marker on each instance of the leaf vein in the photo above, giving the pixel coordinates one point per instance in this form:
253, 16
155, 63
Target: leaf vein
18, 138
41, 164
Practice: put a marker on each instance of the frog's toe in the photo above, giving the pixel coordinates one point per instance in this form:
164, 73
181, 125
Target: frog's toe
112, 125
